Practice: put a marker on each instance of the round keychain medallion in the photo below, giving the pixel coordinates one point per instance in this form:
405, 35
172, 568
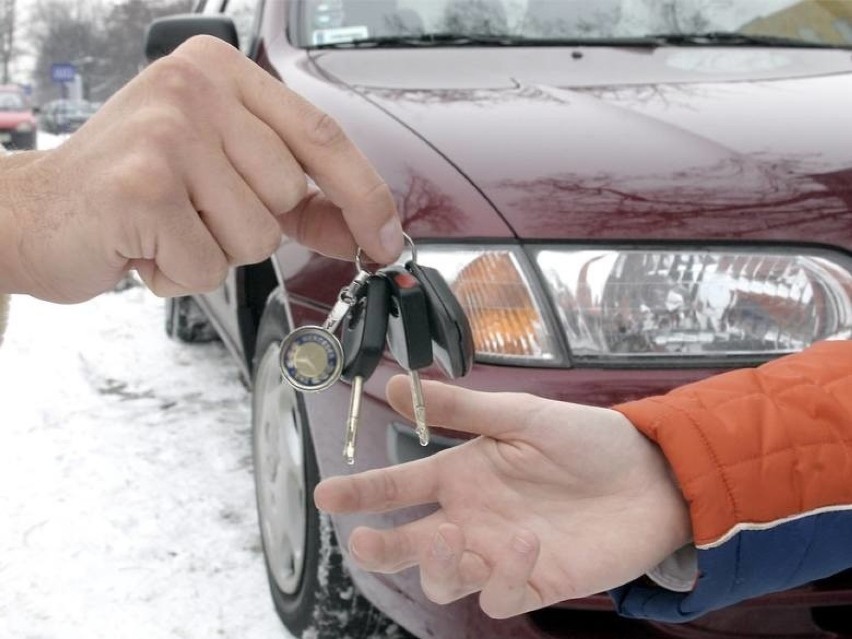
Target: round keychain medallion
311, 358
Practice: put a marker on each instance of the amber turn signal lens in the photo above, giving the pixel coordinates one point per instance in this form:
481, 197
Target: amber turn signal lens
503, 315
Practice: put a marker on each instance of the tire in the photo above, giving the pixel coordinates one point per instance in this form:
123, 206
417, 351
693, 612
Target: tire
309, 583
186, 322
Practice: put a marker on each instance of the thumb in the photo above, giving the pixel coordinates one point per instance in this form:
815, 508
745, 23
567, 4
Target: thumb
495, 415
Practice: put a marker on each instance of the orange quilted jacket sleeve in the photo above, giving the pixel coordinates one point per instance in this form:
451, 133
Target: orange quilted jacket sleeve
764, 458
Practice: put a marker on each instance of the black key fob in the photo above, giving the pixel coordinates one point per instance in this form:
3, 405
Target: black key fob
364, 330
409, 332
452, 337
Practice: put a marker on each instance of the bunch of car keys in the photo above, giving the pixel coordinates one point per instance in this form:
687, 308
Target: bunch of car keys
411, 308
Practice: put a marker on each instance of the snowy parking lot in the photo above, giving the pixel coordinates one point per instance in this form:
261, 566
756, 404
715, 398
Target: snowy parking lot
125, 480
126, 486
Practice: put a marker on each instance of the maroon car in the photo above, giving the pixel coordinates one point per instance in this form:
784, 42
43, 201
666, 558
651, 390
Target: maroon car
624, 195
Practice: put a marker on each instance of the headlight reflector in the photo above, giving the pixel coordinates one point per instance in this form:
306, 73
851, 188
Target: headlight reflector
675, 304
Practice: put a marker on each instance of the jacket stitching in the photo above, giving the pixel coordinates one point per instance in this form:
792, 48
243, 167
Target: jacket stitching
762, 456
720, 468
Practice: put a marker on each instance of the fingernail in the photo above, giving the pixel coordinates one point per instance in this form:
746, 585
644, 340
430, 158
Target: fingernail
440, 548
521, 545
391, 237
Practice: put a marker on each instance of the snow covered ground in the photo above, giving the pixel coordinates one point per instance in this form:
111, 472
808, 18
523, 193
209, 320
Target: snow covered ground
127, 506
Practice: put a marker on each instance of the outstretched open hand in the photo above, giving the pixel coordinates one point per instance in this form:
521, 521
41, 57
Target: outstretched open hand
552, 501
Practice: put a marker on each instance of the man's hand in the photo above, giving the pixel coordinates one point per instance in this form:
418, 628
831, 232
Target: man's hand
553, 501
199, 163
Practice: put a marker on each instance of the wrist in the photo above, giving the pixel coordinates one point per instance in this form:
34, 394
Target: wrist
15, 193
680, 517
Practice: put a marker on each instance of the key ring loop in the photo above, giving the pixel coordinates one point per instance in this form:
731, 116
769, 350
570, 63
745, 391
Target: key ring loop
359, 265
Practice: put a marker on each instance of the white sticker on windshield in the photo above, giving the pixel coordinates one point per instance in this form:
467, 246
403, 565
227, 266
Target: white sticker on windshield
340, 34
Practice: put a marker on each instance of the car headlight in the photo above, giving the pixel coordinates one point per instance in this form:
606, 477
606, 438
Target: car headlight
25, 127
636, 305
599, 307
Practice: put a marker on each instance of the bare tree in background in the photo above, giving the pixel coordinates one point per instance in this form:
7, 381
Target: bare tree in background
7, 36
104, 41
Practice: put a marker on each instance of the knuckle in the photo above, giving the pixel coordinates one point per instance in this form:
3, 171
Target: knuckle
209, 266
266, 244
178, 78
205, 48
259, 244
324, 131
388, 490
252, 253
294, 192
378, 192
212, 276
137, 180
164, 129
491, 609
436, 593
159, 290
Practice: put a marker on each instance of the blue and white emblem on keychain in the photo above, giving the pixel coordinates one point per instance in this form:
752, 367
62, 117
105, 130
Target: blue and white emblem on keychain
311, 358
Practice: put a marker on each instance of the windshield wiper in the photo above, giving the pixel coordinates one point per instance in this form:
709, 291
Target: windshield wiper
735, 38
709, 38
480, 40
420, 40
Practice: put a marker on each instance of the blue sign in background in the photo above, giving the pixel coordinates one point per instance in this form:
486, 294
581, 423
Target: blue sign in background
62, 72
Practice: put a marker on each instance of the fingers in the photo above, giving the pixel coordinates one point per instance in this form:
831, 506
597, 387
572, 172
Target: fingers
318, 224
179, 256
461, 409
389, 551
242, 225
264, 162
447, 571
324, 151
380, 490
508, 591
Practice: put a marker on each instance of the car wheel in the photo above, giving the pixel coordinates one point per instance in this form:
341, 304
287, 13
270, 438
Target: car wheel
310, 585
186, 321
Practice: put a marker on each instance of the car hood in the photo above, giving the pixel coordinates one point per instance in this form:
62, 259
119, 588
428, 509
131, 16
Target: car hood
666, 143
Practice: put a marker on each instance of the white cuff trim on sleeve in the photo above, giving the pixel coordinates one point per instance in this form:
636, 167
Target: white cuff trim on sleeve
678, 571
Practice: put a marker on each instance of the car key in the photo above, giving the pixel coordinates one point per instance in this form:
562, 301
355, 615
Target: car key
363, 341
409, 337
452, 337
311, 357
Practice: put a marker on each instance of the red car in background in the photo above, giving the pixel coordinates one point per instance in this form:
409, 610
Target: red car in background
18, 124
625, 195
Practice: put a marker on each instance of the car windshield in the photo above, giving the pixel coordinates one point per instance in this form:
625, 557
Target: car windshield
11, 102
823, 23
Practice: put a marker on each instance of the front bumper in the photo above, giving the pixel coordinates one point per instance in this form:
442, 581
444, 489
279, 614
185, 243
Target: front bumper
821, 610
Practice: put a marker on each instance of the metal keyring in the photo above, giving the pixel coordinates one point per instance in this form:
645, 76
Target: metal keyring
359, 265
410, 242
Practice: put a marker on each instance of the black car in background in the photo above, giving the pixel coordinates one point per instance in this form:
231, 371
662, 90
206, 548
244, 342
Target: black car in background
66, 116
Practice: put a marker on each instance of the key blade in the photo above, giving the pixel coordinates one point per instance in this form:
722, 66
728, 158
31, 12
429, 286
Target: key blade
352, 419
419, 404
